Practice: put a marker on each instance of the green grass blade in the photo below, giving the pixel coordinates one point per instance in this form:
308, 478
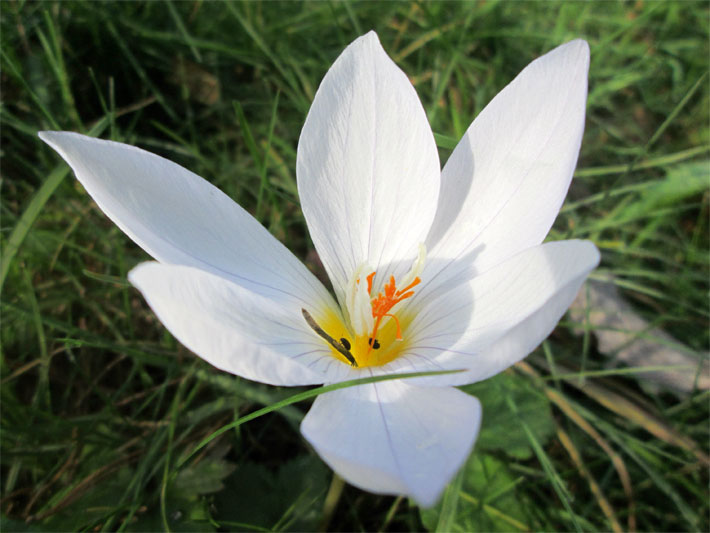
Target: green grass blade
305, 396
34, 208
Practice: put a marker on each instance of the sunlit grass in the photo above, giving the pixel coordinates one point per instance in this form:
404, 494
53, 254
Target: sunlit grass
101, 406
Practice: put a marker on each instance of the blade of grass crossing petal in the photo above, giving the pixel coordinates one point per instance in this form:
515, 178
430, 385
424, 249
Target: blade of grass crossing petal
251, 392
304, 396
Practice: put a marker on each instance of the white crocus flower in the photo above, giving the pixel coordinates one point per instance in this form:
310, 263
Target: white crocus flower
431, 270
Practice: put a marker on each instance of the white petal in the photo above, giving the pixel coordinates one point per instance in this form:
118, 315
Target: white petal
179, 218
233, 328
394, 438
503, 186
499, 317
368, 168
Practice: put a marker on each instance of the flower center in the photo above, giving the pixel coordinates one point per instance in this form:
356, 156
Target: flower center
384, 302
374, 330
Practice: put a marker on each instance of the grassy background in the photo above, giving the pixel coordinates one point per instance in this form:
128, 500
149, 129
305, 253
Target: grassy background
100, 403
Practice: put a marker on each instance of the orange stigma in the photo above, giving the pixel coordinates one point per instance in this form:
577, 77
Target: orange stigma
382, 304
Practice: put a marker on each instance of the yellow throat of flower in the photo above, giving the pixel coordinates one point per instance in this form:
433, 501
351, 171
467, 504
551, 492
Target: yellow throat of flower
377, 329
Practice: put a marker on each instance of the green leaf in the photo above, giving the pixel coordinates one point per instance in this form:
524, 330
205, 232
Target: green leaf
487, 500
204, 477
501, 429
258, 498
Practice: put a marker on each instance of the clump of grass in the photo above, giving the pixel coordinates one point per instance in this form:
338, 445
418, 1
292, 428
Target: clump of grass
101, 407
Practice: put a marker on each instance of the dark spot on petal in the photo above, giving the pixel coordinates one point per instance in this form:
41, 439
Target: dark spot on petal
375, 345
345, 342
